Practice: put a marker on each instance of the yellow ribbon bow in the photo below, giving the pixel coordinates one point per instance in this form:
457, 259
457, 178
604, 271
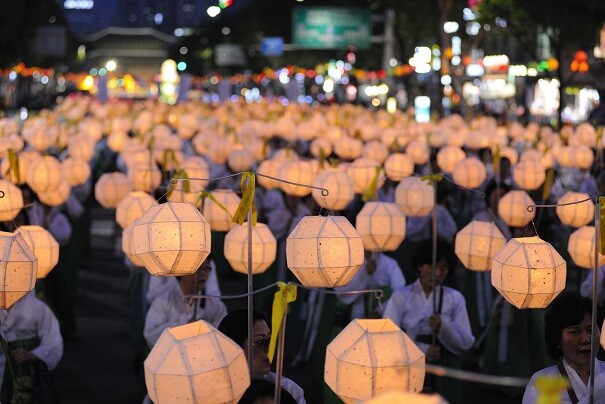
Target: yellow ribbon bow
370, 193
550, 388
286, 294
432, 178
247, 183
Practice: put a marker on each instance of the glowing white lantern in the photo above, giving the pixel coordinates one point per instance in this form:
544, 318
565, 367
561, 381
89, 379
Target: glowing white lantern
469, 173
81, 147
240, 160
348, 148
382, 226
448, 157
219, 216
171, 239
414, 196
18, 268
264, 248
370, 357
528, 272
339, 186
196, 363
575, 214
111, 188
195, 167
56, 197
581, 156
76, 171
271, 168
529, 174
398, 166
145, 177
11, 202
324, 251
362, 171
132, 207
319, 146
375, 150
44, 174
512, 208
128, 245
399, 397
44, 246
477, 244
298, 171
581, 248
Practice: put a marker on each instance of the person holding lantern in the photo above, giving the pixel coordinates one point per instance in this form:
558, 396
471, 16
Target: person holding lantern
439, 324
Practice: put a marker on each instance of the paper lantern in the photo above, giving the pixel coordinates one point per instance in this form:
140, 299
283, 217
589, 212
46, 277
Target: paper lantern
418, 151
76, 171
18, 268
415, 197
111, 188
319, 146
375, 150
171, 239
44, 246
370, 357
240, 160
382, 226
398, 397
324, 251
7, 172
581, 156
398, 166
529, 174
44, 174
12, 201
339, 186
271, 168
219, 149
469, 173
81, 147
529, 273
220, 217
448, 157
512, 208
362, 171
264, 248
57, 196
196, 363
298, 171
132, 207
144, 177
348, 148
477, 244
128, 246
581, 248
116, 141
577, 214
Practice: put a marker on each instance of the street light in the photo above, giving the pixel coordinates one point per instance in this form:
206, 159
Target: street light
213, 11
111, 65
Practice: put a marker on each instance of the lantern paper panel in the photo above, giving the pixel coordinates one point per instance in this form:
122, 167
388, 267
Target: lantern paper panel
196, 363
12, 201
128, 245
415, 197
512, 208
448, 157
469, 173
132, 207
324, 251
57, 196
172, 239
370, 357
219, 216
339, 186
300, 172
44, 246
264, 248
382, 226
111, 188
398, 166
528, 272
477, 244
44, 174
76, 171
362, 171
18, 268
529, 174
145, 177
581, 248
575, 214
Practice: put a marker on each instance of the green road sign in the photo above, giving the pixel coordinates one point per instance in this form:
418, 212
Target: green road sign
331, 27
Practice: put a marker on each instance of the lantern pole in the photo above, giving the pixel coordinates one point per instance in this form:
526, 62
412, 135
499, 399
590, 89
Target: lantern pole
434, 257
250, 289
280, 358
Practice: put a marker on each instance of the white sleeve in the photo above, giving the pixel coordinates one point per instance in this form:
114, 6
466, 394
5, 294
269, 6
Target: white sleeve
212, 287
531, 393
455, 333
156, 321
394, 309
294, 389
50, 349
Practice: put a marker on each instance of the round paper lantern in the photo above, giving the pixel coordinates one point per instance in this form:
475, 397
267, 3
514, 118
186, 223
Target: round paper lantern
18, 268
195, 167
44, 246
111, 188
324, 251
319, 146
370, 357
220, 217
56, 197
128, 245
144, 177
477, 244
132, 207
171, 239
469, 173
415, 197
116, 141
348, 148
81, 147
398, 166
299, 171
375, 150
219, 149
240, 160
362, 171
339, 186
76, 171
271, 168
581, 248
418, 151
264, 248
529, 174
196, 363
12, 201
581, 156
44, 174
398, 397
512, 208
382, 226
528, 272
448, 157
577, 214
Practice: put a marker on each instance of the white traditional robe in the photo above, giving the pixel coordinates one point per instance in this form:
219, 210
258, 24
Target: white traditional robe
410, 309
290, 386
28, 318
159, 285
582, 391
170, 310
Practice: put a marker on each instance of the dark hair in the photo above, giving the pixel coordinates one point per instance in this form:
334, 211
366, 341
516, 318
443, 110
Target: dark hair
566, 310
260, 388
235, 324
424, 253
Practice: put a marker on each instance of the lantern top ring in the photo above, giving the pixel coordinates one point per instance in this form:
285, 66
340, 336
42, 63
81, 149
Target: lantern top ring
530, 208
1, 194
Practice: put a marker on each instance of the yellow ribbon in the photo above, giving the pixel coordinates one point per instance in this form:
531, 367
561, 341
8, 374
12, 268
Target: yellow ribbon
322, 157
496, 160
13, 165
169, 156
432, 178
370, 193
602, 225
286, 294
208, 194
182, 174
247, 183
550, 179
550, 388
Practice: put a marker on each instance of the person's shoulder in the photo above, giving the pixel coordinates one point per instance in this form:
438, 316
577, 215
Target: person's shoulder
455, 293
549, 371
